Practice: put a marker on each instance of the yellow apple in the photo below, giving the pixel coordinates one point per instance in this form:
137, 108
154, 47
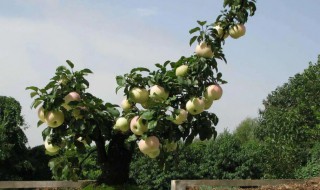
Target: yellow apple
158, 93
138, 125
213, 92
41, 114
220, 32
125, 105
207, 103
139, 95
181, 117
154, 154
54, 118
50, 147
195, 106
182, 70
237, 31
72, 96
148, 145
122, 124
204, 50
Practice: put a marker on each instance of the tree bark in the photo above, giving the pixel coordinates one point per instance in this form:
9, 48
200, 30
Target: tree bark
115, 162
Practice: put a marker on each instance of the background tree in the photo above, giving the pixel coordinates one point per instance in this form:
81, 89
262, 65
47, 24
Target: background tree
289, 123
161, 107
245, 130
13, 150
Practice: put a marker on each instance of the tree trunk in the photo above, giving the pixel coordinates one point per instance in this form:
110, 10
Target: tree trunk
115, 163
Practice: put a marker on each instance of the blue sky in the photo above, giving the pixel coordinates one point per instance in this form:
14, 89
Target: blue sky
111, 37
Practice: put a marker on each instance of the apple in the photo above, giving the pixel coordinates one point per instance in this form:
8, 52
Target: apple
213, 92
139, 95
72, 96
138, 126
207, 103
148, 145
195, 106
181, 117
50, 147
170, 146
182, 70
154, 154
158, 93
220, 32
41, 114
237, 31
203, 50
54, 118
122, 124
125, 105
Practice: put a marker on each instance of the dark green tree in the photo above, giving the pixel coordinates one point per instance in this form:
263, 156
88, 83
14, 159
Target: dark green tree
289, 124
13, 151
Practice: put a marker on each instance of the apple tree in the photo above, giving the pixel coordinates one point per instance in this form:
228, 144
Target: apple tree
160, 108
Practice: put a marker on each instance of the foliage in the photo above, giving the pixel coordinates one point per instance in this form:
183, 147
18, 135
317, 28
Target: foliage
13, 150
106, 187
245, 130
312, 168
289, 124
39, 160
92, 120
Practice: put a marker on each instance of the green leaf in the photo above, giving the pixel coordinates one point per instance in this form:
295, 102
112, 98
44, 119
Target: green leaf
192, 40
34, 88
193, 30
120, 80
141, 69
132, 138
113, 111
152, 124
71, 65
33, 94
85, 71
148, 115
201, 23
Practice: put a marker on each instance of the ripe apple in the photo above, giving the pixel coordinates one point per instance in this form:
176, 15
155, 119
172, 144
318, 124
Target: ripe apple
41, 114
207, 103
213, 92
138, 126
139, 95
170, 146
237, 31
122, 124
181, 117
125, 105
195, 106
181, 70
220, 32
72, 96
54, 118
158, 93
50, 147
154, 154
203, 50
148, 145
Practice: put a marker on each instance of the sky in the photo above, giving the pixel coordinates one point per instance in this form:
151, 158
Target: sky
112, 37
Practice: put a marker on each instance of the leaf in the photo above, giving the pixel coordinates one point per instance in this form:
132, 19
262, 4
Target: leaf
71, 65
140, 69
114, 112
118, 88
192, 40
148, 115
132, 138
33, 94
189, 139
39, 123
193, 30
120, 80
201, 23
34, 88
152, 124
85, 71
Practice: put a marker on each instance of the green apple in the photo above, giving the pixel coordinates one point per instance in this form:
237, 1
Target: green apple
154, 154
207, 103
180, 117
220, 32
125, 105
237, 31
148, 145
72, 96
41, 114
204, 50
139, 95
213, 92
54, 118
50, 147
182, 70
158, 93
138, 125
195, 106
122, 124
